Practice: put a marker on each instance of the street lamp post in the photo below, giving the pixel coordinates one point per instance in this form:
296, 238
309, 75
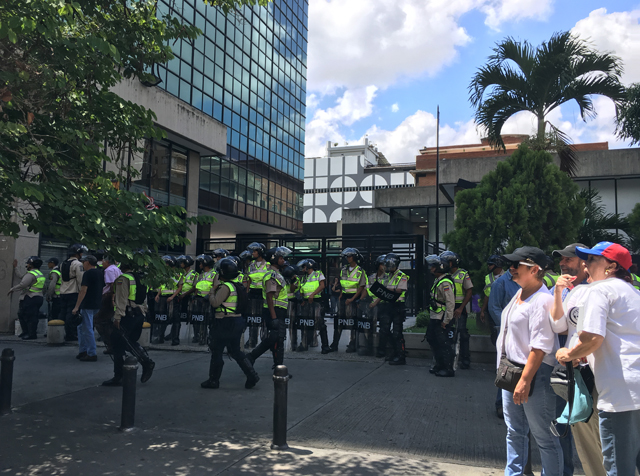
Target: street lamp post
438, 182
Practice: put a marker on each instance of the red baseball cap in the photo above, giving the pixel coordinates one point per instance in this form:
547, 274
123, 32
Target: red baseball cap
611, 251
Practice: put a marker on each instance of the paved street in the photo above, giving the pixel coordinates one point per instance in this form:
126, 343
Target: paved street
346, 416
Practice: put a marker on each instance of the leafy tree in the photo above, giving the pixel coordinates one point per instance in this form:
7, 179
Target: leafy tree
527, 200
520, 77
633, 229
628, 118
598, 225
59, 119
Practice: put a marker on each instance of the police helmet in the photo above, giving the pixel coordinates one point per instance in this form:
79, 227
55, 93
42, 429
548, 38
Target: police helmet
228, 269
349, 252
186, 259
78, 249
449, 259
169, 261
259, 247
380, 261
205, 260
273, 254
220, 253
237, 260
433, 261
34, 261
245, 255
289, 272
495, 260
55, 261
306, 263
391, 262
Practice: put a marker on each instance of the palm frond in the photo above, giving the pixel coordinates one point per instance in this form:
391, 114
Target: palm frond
495, 111
498, 79
562, 144
521, 53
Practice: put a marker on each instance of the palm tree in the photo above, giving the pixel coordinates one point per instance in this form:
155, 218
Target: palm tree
598, 225
519, 77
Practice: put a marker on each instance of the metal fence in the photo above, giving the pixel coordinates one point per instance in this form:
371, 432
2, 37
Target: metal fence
326, 251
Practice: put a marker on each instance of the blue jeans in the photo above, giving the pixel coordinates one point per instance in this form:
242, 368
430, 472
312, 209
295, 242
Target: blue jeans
535, 415
86, 339
620, 437
567, 441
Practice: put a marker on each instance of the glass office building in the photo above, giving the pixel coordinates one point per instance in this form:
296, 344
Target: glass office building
248, 71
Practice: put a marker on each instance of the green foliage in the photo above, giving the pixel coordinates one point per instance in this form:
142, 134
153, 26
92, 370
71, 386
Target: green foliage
628, 118
519, 77
58, 117
422, 319
598, 225
527, 200
633, 229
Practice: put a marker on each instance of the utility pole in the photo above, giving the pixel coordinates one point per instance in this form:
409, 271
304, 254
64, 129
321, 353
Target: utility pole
437, 250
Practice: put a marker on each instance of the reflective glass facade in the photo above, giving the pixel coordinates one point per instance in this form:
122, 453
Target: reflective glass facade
248, 71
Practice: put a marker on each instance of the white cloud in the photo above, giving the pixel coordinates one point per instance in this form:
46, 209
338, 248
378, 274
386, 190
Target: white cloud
500, 11
395, 107
617, 32
355, 43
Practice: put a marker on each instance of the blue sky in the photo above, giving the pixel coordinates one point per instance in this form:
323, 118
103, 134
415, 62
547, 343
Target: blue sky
380, 67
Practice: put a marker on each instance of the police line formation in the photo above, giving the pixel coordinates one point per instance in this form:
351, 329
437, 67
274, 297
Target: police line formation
221, 295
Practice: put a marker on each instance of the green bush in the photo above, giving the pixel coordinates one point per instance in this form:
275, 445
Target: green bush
422, 319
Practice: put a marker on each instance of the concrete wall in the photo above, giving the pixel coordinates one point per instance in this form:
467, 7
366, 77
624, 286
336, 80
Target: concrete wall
199, 131
407, 197
193, 189
364, 215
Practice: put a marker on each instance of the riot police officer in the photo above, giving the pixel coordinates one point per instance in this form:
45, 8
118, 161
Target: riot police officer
228, 300
183, 296
313, 284
167, 311
274, 290
353, 281
374, 305
53, 288
550, 276
127, 326
31, 298
495, 265
290, 275
257, 270
397, 282
464, 291
440, 329
200, 308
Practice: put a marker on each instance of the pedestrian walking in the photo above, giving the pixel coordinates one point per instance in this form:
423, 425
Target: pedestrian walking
87, 305
71, 270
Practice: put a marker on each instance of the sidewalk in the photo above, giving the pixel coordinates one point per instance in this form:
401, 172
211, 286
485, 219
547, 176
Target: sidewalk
345, 417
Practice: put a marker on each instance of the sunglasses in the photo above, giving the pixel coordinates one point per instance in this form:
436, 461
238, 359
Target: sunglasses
527, 262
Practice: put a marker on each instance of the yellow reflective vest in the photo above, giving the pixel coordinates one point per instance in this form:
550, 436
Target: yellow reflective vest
230, 304
311, 284
38, 286
281, 299
257, 273
350, 281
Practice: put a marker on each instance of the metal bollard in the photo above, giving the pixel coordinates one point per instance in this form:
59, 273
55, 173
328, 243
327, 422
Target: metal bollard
129, 375
6, 380
280, 384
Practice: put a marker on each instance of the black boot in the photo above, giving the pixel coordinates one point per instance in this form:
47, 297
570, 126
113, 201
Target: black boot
118, 364
252, 376
215, 370
147, 365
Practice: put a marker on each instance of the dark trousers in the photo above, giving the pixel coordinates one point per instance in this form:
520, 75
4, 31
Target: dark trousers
384, 321
102, 319
28, 315
70, 324
274, 338
131, 328
54, 310
345, 311
441, 341
465, 355
177, 308
398, 315
226, 333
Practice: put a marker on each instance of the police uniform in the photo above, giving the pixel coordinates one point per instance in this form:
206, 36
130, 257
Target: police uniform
462, 283
293, 311
31, 298
200, 308
131, 318
351, 280
313, 311
256, 272
273, 282
550, 279
397, 282
185, 298
373, 315
226, 328
53, 292
441, 310
170, 310
635, 281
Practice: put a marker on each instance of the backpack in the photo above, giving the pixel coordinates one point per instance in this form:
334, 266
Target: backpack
65, 270
242, 306
141, 290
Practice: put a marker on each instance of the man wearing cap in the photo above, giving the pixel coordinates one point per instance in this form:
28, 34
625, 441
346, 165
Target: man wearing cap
102, 319
567, 291
53, 288
88, 304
